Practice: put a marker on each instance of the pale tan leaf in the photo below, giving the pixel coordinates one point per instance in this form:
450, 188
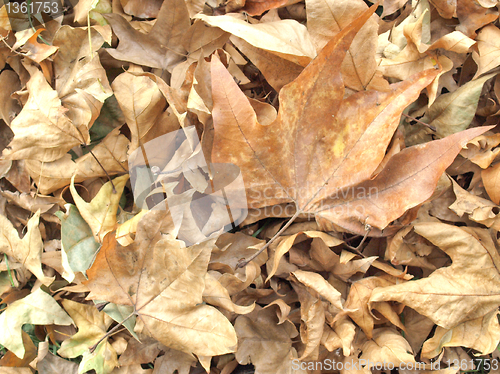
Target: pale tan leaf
264, 343
142, 103
466, 290
287, 39
38, 308
100, 213
28, 250
387, 345
43, 131
481, 334
164, 282
319, 284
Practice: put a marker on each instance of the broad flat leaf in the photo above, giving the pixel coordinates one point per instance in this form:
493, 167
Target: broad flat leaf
142, 103
202, 41
387, 345
78, 246
481, 334
321, 143
391, 6
287, 39
38, 308
473, 16
103, 360
38, 51
325, 18
445, 8
487, 56
466, 290
93, 10
164, 283
43, 131
453, 112
111, 153
142, 351
92, 326
142, 9
174, 361
408, 179
161, 47
418, 328
100, 213
28, 250
264, 343
257, 7
30, 354
81, 81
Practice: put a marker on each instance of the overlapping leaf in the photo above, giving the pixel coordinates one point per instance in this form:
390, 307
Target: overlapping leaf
466, 290
164, 283
322, 146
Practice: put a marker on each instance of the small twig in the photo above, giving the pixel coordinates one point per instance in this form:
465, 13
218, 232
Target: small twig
418, 121
102, 167
110, 332
368, 228
244, 262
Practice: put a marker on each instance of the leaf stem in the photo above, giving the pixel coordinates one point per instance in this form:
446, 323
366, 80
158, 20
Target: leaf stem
418, 121
356, 249
102, 167
244, 262
111, 332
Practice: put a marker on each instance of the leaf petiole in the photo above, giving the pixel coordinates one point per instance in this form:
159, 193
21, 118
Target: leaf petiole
111, 332
244, 262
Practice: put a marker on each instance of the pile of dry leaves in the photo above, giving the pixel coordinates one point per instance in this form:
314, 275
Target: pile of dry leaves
355, 145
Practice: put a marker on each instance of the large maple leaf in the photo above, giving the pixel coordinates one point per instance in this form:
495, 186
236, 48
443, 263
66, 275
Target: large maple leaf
323, 149
164, 284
